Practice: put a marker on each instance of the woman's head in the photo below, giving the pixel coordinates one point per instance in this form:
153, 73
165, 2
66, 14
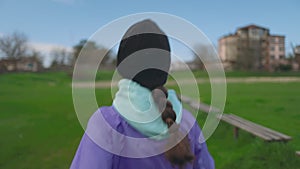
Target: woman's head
144, 44
144, 55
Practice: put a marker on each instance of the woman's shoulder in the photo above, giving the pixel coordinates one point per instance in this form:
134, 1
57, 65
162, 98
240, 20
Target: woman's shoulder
187, 115
106, 114
107, 118
114, 119
190, 124
188, 118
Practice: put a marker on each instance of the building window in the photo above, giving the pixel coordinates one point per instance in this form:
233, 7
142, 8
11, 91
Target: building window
272, 57
280, 40
273, 40
281, 56
253, 31
281, 48
272, 48
260, 32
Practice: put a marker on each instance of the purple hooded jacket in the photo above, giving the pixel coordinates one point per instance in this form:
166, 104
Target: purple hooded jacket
90, 155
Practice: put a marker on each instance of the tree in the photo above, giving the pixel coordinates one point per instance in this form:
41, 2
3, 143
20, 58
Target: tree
14, 45
60, 56
92, 51
77, 48
37, 56
206, 53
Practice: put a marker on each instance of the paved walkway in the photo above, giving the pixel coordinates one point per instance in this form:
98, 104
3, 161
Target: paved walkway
106, 84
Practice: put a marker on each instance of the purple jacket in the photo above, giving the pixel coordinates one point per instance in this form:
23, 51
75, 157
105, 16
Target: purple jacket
90, 155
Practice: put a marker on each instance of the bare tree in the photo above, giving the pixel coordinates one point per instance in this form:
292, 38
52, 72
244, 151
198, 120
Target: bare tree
14, 45
92, 51
206, 53
60, 56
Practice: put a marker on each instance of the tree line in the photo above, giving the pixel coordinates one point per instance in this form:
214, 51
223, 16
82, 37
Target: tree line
16, 45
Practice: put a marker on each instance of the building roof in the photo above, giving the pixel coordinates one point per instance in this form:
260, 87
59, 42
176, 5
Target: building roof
282, 36
228, 36
251, 26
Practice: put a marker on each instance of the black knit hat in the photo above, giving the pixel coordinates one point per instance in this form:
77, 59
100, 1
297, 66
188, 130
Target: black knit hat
144, 55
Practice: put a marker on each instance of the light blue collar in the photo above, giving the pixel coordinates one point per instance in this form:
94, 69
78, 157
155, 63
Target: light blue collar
136, 105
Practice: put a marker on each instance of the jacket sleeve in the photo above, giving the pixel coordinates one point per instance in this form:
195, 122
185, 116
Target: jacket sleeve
90, 156
203, 159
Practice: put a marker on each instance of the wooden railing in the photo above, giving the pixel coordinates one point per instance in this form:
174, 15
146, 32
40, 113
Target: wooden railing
258, 130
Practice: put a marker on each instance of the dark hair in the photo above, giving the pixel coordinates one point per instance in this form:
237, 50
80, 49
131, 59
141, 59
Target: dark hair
181, 153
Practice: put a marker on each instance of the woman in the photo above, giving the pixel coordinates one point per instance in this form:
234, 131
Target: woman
143, 108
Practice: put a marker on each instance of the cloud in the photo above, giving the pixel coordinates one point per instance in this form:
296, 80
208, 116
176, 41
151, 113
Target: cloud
45, 49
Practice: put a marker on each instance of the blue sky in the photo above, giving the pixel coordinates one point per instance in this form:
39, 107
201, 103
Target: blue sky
65, 22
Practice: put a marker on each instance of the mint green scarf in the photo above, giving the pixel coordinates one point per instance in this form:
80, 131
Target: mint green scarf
136, 105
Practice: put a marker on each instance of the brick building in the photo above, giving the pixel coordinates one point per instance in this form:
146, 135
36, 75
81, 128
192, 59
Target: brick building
297, 56
252, 48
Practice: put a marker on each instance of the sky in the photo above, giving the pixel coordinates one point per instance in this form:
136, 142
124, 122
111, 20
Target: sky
63, 23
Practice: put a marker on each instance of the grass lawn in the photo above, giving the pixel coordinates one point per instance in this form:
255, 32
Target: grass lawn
37, 122
274, 105
40, 129
107, 74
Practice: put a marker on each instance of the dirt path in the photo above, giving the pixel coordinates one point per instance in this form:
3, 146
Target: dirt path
106, 84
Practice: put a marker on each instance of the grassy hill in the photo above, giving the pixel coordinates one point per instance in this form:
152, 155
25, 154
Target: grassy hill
39, 127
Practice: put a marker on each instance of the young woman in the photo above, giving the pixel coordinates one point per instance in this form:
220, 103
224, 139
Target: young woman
143, 109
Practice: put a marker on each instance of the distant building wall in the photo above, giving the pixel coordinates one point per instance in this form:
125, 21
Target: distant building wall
228, 50
276, 50
297, 56
252, 47
19, 65
277, 47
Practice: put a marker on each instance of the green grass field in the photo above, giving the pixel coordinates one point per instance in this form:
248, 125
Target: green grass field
107, 75
274, 105
39, 127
